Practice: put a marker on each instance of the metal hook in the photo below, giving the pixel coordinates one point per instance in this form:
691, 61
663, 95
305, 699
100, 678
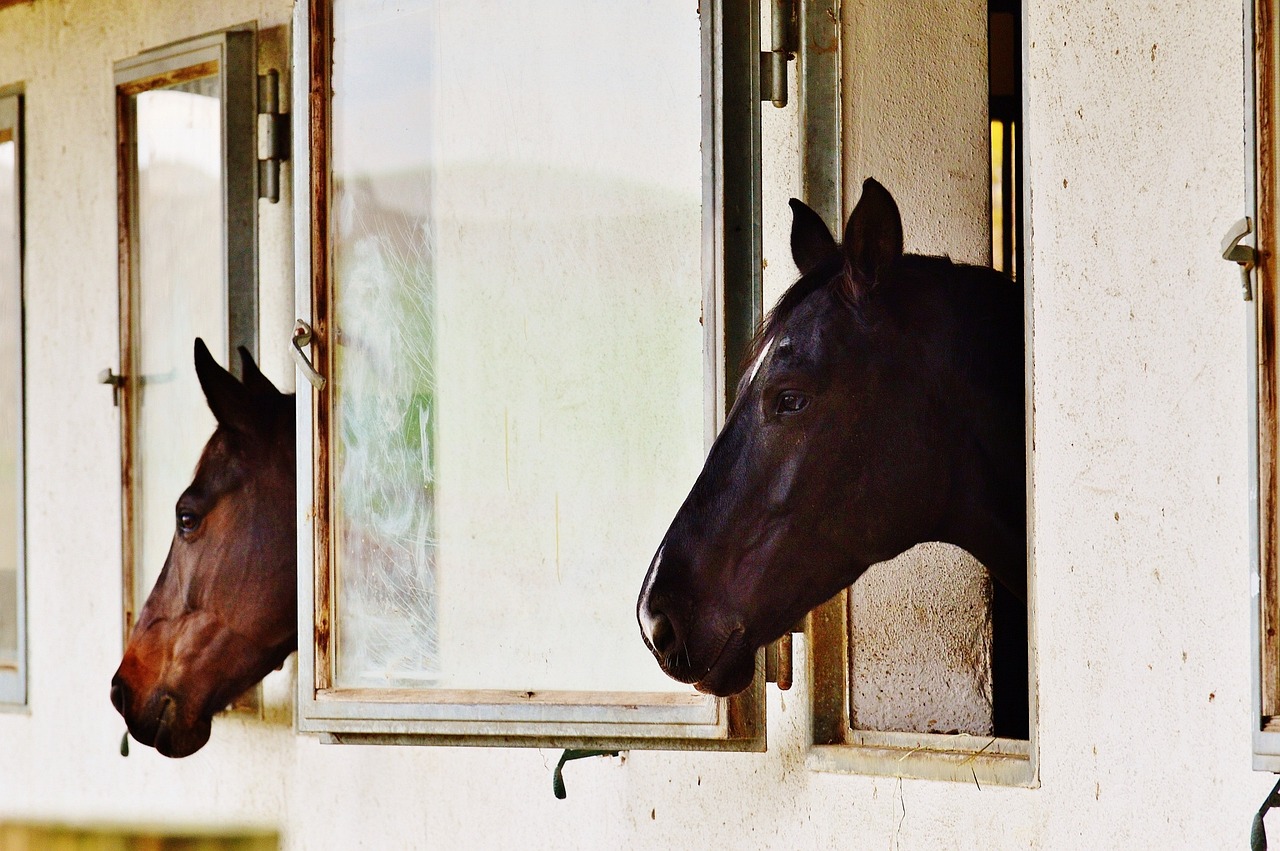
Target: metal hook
1245, 255
302, 334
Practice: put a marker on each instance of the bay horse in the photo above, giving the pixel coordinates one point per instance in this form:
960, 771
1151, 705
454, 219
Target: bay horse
883, 408
223, 613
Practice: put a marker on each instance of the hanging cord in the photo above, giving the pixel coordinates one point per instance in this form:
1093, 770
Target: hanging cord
557, 777
1258, 834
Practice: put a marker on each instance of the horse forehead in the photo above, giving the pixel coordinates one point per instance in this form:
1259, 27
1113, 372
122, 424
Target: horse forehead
812, 332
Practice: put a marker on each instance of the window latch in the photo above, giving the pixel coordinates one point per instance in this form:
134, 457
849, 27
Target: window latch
1245, 255
302, 335
273, 136
773, 63
108, 377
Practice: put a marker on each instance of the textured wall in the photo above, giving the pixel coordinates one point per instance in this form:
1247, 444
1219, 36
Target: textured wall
1140, 588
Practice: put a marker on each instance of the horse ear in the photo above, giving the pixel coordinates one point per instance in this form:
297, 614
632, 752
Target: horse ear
256, 383
873, 237
228, 399
811, 241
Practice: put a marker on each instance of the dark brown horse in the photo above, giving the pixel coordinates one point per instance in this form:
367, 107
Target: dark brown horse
223, 612
883, 408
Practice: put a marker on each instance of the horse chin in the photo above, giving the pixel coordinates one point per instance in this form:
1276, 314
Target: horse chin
732, 671
729, 676
176, 741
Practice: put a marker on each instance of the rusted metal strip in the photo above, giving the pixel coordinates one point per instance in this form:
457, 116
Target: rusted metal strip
169, 78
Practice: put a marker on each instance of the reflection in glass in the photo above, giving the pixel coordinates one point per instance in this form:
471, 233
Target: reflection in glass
518, 360
10, 403
180, 295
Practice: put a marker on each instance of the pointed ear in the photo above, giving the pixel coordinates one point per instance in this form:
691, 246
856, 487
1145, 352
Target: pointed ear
811, 241
254, 381
873, 238
227, 397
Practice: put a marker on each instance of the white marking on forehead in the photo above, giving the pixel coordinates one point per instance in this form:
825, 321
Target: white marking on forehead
760, 358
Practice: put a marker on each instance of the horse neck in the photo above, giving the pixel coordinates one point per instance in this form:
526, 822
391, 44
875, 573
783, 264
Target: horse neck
989, 515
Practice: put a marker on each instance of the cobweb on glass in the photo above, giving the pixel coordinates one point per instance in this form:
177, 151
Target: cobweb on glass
385, 454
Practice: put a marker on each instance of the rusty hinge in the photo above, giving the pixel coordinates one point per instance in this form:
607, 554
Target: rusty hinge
773, 63
273, 136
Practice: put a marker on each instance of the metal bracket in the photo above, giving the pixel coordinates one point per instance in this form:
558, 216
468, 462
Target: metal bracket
302, 335
778, 665
273, 136
108, 377
1245, 255
773, 63
557, 776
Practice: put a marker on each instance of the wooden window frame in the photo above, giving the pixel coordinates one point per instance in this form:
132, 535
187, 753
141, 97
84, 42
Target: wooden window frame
731, 261
1262, 90
13, 682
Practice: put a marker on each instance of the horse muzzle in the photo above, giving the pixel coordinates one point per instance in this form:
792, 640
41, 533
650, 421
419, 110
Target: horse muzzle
161, 722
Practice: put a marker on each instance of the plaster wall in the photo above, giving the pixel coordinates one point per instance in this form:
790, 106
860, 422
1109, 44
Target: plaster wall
1140, 591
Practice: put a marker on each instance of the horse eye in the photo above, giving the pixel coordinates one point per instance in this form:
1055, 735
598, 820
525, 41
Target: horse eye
188, 521
792, 403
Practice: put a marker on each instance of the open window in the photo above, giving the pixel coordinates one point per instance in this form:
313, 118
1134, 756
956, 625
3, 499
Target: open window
13, 632
188, 268
531, 275
922, 668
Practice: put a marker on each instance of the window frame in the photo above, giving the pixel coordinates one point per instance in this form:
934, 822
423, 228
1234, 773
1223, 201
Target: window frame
234, 51
1262, 190
13, 684
834, 746
731, 252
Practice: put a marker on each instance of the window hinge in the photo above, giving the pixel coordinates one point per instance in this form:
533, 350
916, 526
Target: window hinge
1245, 255
273, 136
773, 63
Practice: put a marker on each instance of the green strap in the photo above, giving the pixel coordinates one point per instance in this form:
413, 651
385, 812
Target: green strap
557, 777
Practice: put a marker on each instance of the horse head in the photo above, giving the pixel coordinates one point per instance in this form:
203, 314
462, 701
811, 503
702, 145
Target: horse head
883, 407
223, 612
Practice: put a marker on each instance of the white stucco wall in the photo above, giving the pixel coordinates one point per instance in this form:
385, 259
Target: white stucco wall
1140, 588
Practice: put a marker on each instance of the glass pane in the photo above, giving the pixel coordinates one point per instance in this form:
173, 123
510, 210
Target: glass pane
180, 295
518, 394
10, 403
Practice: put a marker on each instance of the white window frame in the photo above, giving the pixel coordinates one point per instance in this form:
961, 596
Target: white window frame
234, 52
13, 683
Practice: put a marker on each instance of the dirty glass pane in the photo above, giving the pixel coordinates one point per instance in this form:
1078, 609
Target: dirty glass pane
518, 358
180, 295
10, 410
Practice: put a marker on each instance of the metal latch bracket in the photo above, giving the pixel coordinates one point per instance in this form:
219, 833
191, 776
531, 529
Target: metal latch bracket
1245, 255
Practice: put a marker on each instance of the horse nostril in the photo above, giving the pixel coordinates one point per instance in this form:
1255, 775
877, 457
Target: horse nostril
662, 634
118, 695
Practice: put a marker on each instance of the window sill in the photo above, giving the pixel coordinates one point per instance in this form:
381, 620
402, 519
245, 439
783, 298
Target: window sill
929, 756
